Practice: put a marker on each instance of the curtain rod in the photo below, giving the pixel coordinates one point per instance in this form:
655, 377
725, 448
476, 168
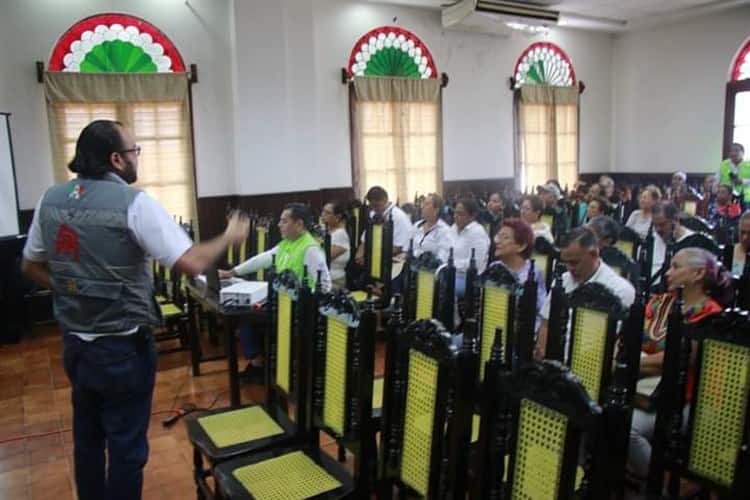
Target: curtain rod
346, 80
192, 75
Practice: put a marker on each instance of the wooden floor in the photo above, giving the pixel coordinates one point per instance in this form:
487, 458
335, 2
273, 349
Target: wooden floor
35, 399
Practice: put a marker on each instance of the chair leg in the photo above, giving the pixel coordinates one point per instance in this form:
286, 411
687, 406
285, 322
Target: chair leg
198, 474
342, 454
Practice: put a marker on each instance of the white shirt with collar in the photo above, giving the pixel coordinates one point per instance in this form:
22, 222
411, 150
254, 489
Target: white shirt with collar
660, 251
402, 226
472, 236
154, 230
605, 275
436, 241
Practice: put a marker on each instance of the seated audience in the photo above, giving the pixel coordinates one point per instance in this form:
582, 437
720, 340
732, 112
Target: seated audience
741, 248
431, 234
607, 230
597, 206
553, 200
334, 217
723, 207
698, 273
298, 249
708, 195
514, 243
667, 230
579, 251
640, 220
531, 213
467, 234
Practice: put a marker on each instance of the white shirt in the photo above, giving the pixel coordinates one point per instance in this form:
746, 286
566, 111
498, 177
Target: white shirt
340, 238
402, 226
639, 223
605, 275
660, 251
436, 241
154, 230
542, 229
472, 236
315, 260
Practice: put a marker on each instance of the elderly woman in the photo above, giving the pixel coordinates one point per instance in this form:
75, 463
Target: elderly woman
467, 235
640, 220
705, 288
597, 207
514, 243
531, 214
334, 217
431, 234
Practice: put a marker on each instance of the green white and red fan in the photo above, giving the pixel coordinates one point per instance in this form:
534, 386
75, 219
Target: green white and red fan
391, 51
544, 63
741, 66
115, 43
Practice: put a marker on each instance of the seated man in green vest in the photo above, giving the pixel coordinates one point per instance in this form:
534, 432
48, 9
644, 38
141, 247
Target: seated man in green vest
735, 172
296, 250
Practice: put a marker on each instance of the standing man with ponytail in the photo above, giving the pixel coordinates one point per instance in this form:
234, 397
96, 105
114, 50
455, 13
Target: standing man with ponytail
89, 243
297, 250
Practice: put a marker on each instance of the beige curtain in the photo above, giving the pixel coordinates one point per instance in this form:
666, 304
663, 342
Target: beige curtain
154, 107
547, 135
397, 136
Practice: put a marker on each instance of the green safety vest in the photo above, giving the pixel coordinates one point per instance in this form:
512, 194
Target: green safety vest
291, 255
743, 172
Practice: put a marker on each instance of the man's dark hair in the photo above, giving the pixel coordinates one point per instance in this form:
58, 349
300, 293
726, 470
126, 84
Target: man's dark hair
299, 211
98, 140
470, 206
605, 227
738, 145
338, 208
667, 209
376, 193
582, 235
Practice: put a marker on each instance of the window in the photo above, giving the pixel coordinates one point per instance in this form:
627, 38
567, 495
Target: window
737, 104
122, 50
396, 115
546, 116
165, 169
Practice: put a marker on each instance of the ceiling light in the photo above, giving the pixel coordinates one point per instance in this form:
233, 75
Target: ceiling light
527, 28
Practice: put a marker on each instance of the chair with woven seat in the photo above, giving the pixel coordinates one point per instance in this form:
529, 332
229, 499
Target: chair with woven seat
378, 260
226, 433
541, 436
340, 381
174, 311
545, 255
427, 410
259, 237
713, 449
429, 288
629, 242
505, 308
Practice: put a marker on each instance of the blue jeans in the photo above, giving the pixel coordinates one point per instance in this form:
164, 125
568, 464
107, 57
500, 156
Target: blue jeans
112, 382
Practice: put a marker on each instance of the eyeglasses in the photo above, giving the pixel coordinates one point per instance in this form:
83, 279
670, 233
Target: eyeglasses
134, 149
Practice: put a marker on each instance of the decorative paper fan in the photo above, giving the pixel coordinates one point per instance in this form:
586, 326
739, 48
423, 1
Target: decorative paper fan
391, 51
741, 66
115, 43
544, 63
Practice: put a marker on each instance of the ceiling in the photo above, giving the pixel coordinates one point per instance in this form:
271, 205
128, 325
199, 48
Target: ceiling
628, 13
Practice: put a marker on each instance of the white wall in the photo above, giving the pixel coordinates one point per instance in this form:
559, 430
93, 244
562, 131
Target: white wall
293, 130
669, 88
201, 31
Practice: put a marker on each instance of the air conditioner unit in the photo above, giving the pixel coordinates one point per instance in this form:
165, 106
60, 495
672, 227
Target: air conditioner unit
497, 17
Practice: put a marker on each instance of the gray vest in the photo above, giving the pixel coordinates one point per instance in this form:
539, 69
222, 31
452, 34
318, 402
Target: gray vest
100, 275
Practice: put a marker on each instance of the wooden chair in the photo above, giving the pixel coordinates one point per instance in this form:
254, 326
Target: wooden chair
429, 289
427, 411
715, 450
340, 381
545, 255
621, 263
227, 433
629, 242
537, 425
378, 260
